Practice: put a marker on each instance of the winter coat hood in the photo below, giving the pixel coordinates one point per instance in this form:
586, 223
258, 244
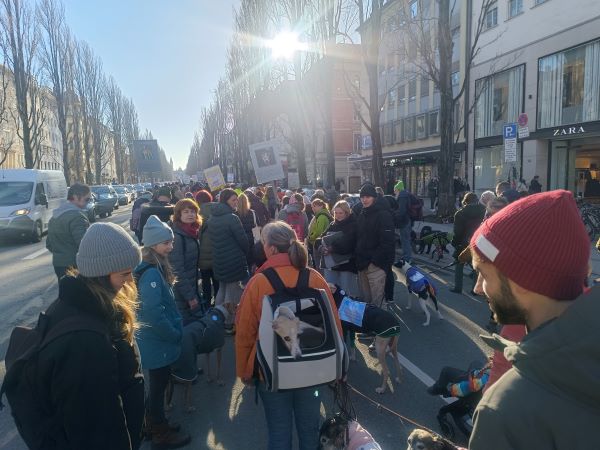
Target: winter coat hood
206, 210
65, 207
220, 209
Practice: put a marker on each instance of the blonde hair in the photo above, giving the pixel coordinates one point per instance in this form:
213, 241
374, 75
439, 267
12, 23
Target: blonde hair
344, 206
120, 306
150, 256
281, 236
243, 204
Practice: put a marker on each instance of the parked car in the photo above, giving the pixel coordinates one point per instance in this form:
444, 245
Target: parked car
123, 195
107, 199
131, 189
139, 188
27, 199
90, 208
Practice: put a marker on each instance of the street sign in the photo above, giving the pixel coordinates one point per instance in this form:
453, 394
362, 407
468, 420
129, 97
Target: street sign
523, 120
510, 131
523, 132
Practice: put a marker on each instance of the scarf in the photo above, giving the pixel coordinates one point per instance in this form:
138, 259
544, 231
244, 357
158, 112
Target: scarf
191, 229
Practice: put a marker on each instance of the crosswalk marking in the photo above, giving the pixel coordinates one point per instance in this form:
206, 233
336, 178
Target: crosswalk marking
36, 254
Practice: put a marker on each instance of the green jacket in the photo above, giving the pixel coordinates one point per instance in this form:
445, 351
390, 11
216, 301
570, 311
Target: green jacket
318, 225
550, 399
229, 244
66, 228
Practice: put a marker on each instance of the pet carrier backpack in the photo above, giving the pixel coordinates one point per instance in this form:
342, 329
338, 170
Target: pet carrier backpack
324, 357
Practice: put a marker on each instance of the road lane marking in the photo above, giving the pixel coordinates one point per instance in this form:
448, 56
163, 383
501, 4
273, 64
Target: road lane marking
36, 254
422, 376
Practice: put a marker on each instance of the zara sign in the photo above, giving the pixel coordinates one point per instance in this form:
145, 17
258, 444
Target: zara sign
568, 131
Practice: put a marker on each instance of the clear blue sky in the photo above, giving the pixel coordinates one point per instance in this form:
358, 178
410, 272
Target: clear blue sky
165, 54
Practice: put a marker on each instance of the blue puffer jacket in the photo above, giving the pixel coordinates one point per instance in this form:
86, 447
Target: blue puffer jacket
161, 330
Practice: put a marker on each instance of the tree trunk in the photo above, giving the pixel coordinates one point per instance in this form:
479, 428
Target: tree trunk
446, 201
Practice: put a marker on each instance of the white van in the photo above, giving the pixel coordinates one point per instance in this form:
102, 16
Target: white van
27, 199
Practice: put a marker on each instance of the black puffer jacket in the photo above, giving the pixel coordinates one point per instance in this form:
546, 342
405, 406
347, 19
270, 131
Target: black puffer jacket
92, 384
375, 243
466, 221
164, 211
230, 244
347, 243
247, 225
184, 259
262, 213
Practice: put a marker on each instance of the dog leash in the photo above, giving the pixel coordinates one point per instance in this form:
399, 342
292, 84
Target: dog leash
402, 418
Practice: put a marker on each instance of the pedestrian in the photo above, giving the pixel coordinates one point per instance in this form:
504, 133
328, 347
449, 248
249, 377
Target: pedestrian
160, 337
486, 197
136, 214
522, 186
317, 226
495, 205
332, 196
536, 277
432, 190
160, 206
344, 275
210, 285
534, 186
248, 218
87, 384
66, 228
504, 189
375, 247
302, 406
259, 208
402, 220
466, 221
230, 246
272, 202
185, 257
295, 216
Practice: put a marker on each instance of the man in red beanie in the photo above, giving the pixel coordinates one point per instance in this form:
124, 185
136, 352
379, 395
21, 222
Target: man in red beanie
533, 257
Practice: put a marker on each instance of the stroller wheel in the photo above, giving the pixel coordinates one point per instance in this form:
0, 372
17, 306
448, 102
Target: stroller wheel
446, 427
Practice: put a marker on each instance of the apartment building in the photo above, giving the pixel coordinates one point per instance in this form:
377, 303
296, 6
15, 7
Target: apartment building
540, 62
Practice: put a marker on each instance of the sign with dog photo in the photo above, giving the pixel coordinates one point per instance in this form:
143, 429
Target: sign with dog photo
266, 161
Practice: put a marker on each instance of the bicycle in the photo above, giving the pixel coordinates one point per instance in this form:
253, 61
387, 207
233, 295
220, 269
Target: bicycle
590, 215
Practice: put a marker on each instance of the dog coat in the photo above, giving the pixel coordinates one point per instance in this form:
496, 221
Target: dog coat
417, 281
360, 439
364, 317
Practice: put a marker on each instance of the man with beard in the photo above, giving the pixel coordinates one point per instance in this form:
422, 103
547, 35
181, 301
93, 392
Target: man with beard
533, 260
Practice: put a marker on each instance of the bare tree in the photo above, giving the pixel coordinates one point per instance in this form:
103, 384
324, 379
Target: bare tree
20, 39
6, 140
131, 132
115, 109
55, 58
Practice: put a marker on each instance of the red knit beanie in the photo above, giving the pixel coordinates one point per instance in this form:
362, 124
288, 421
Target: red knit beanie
540, 243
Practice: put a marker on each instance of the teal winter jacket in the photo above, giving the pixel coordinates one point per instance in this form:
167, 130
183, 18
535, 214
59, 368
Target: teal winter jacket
161, 327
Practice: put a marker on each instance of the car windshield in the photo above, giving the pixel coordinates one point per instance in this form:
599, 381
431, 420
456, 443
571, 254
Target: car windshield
120, 189
100, 190
15, 192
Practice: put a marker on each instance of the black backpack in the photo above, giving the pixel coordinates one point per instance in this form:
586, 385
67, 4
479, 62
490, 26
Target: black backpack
20, 384
324, 357
415, 207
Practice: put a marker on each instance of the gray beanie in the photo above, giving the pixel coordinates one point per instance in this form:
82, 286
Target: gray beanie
106, 248
155, 232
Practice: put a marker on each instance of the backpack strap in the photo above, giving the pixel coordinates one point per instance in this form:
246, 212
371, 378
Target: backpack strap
71, 324
274, 279
303, 278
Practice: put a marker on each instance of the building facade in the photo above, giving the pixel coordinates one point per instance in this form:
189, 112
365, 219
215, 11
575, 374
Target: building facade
547, 77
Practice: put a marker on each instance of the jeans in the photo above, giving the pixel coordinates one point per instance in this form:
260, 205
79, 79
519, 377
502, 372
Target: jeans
405, 241
159, 378
348, 281
209, 284
303, 405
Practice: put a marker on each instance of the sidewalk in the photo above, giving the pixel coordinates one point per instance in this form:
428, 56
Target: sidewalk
595, 255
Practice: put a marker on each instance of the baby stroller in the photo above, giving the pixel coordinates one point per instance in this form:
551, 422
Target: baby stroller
467, 386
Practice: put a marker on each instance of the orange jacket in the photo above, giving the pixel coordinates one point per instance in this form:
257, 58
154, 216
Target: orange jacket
250, 309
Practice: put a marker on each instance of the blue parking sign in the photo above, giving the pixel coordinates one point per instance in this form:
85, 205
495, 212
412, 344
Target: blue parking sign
510, 131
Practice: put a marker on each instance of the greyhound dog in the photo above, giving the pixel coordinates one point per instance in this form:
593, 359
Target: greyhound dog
419, 284
424, 440
289, 328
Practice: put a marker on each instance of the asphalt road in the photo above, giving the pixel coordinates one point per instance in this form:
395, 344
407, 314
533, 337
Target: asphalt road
227, 417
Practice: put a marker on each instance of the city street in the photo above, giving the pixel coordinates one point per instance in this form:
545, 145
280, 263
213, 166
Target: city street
227, 417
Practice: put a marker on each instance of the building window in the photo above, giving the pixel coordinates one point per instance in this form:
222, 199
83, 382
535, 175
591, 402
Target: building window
392, 99
409, 129
515, 7
499, 101
490, 167
421, 125
434, 123
412, 89
539, 2
356, 116
424, 86
398, 132
414, 9
491, 17
569, 86
357, 142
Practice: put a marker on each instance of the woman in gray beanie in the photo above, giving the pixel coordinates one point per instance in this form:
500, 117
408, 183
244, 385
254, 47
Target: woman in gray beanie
160, 336
89, 378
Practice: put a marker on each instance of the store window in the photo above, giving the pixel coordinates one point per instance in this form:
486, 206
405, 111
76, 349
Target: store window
490, 167
398, 132
409, 129
569, 86
500, 100
434, 123
421, 125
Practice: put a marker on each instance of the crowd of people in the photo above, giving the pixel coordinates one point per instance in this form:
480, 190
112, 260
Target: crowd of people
201, 251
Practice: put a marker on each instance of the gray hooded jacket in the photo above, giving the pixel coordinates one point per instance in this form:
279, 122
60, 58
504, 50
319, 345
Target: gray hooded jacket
66, 228
550, 399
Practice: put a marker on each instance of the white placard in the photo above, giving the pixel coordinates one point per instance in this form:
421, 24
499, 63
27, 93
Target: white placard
523, 132
266, 161
214, 178
510, 150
